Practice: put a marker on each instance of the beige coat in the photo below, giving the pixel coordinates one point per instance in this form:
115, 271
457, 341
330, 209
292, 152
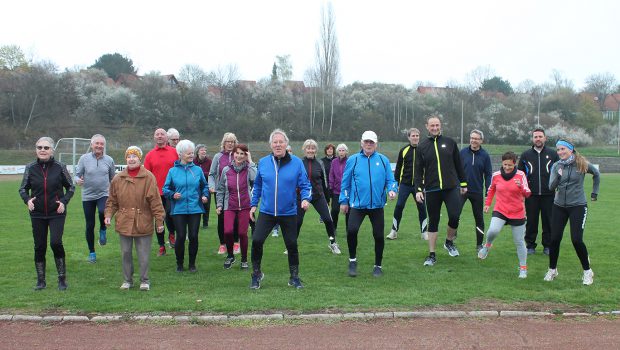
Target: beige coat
136, 203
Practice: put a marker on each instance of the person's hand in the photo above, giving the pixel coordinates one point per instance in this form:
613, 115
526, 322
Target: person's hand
204, 199
593, 197
486, 209
463, 190
218, 210
160, 229
80, 181
252, 211
61, 207
392, 195
419, 197
305, 204
107, 221
31, 203
212, 190
176, 195
249, 157
344, 208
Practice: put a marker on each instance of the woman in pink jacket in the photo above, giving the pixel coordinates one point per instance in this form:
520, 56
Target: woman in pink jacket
510, 187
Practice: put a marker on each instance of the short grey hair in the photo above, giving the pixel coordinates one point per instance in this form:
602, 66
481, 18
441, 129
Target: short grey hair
185, 145
278, 131
308, 143
412, 130
342, 146
97, 136
48, 140
479, 132
173, 132
228, 135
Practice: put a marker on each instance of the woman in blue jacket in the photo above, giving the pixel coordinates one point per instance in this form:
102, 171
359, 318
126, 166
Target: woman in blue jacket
278, 177
366, 179
187, 189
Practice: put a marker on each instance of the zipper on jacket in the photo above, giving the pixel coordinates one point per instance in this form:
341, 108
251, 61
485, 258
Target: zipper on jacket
44, 172
413, 164
566, 188
539, 177
370, 178
238, 192
438, 164
276, 163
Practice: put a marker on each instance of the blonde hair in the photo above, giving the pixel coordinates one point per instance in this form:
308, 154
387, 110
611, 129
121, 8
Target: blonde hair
581, 163
309, 142
228, 135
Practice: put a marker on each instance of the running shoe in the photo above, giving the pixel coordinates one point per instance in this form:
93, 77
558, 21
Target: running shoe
162, 251
236, 248
484, 252
295, 282
430, 261
551, 275
377, 271
352, 268
145, 287
221, 250
523, 272
334, 248
92, 258
229, 262
102, 237
451, 248
392, 235
588, 277
171, 240
256, 279
126, 285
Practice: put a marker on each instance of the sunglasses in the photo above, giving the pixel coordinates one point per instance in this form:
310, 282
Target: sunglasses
43, 147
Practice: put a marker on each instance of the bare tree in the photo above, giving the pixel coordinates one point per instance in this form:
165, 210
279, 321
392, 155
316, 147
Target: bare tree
601, 85
193, 75
284, 67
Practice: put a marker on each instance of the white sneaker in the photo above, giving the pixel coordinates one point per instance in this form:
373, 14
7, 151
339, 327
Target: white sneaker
145, 287
522, 272
285, 252
334, 248
274, 233
126, 285
483, 252
588, 277
551, 275
424, 235
392, 235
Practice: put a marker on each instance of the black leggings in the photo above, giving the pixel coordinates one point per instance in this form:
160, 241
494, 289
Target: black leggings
161, 237
477, 203
320, 205
56, 227
356, 217
577, 218
404, 191
451, 198
187, 225
264, 225
335, 211
89, 214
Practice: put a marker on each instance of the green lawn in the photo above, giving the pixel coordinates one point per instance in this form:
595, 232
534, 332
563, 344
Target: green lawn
406, 285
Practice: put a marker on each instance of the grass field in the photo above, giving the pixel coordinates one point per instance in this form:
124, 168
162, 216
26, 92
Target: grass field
462, 282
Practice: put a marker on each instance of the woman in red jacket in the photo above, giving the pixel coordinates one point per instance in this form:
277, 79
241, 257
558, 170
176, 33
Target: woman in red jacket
510, 186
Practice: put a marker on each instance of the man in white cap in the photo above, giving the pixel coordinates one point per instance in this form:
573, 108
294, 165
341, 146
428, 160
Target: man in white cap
366, 180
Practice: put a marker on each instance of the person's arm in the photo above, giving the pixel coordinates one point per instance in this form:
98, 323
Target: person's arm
555, 175
490, 195
24, 188
399, 165
79, 172
596, 181
154, 200
488, 173
525, 187
460, 171
305, 188
220, 190
418, 176
390, 183
168, 189
204, 185
257, 189
345, 185
67, 183
112, 171
213, 171
111, 205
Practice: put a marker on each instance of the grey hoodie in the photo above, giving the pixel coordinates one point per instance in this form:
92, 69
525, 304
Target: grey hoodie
569, 186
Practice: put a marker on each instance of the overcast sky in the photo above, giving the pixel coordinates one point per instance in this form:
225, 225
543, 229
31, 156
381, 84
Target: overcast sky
387, 41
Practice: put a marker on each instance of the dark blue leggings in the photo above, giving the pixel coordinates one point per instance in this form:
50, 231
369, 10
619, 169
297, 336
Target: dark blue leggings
89, 214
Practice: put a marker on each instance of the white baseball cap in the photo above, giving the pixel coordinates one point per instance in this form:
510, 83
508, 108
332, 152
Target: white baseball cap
369, 135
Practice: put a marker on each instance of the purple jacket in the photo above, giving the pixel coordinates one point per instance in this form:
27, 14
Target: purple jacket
234, 188
335, 174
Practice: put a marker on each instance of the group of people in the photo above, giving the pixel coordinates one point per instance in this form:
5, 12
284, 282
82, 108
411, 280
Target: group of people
173, 184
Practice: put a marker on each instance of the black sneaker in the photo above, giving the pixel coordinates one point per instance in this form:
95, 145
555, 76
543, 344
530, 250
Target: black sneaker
430, 261
451, 248
179, 268
295, 282
192, 269
377, 271
229, 262
352, 268
546, 251
256, 279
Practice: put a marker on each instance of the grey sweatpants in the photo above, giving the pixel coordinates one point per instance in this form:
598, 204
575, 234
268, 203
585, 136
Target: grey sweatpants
143, 251
518, 236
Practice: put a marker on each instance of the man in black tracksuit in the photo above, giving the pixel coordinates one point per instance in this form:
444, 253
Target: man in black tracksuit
536, 162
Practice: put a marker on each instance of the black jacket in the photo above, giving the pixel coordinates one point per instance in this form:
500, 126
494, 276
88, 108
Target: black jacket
438, 165
45, 181
317, 176
403, 173
537, 167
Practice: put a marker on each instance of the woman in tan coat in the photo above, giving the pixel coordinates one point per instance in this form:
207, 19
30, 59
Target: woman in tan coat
134, 198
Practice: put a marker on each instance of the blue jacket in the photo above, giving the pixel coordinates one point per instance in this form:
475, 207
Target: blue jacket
276, 184
366, 180
477, 166
190, 182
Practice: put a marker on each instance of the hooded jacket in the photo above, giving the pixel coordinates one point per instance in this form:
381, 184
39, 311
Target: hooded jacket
45, 180
568, 187
190, 182
366, 180
276, 182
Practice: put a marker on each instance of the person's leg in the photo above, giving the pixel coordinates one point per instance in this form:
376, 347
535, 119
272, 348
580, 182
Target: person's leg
143, 249
356, 217
494, 229
243, 219
57, 226
169, 220
452, 200
126, 243
320, 205
102, 227
433, 205
377, 221
477, 203
546, 203
577, 217
403, 194
300, 217
220, 229
335, 210
518, 236
180, 223
559, 218
531, 227
205, 216
193, 227
39, 235
89, 216
422, 217
161, 241
264, 224
229, 226
288, 225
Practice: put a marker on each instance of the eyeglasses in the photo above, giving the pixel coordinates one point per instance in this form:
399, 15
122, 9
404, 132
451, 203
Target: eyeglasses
43, 147
174, 139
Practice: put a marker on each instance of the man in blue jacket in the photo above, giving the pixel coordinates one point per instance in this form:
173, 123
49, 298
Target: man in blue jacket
478, 170
366, 179
279, 176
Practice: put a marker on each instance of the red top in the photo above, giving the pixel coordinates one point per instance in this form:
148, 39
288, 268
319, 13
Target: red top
510, 196
158, 161
133, 172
